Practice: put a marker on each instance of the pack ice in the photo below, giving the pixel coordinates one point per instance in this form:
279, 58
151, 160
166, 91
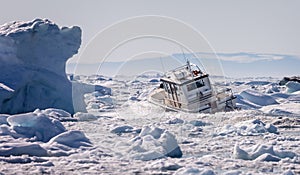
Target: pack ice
32, 62
39, 133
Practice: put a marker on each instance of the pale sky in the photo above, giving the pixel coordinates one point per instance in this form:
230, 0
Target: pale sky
268, 26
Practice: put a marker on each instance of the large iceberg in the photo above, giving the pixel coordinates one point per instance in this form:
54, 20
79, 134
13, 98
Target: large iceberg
33, 56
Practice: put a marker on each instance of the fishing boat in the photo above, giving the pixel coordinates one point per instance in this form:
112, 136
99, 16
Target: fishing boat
189, 89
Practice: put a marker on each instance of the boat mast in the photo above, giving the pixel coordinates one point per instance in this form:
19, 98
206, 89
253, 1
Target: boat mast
187, 63
189, 67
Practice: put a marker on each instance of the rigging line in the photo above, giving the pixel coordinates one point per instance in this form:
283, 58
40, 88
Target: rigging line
162, 64
186, 60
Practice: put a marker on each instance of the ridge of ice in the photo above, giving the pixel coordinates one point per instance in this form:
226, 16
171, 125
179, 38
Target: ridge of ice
258, 98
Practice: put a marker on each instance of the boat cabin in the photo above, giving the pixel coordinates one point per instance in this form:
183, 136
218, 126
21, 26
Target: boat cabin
187, 88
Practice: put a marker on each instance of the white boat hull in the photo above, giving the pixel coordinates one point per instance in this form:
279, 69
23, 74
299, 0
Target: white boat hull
218, 103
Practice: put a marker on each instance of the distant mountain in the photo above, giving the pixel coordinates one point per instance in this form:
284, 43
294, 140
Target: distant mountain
241, 64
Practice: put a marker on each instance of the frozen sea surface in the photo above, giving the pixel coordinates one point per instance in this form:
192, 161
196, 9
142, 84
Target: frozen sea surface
123, 133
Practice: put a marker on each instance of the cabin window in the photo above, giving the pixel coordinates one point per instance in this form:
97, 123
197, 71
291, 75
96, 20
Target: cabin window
200, 84
197, 84
191, 86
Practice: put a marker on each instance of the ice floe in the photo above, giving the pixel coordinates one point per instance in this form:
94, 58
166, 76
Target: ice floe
262, 153
122, 129
194, 171
81, 116
248, 128
292, 87
151, 143
39, 133
257, 98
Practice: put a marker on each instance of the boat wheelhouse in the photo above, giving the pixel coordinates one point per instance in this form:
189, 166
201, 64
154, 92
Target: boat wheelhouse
188, 89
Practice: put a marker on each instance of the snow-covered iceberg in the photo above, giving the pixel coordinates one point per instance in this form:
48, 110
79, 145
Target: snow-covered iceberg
293, 87
248, 128
152, 143
39, 126
255, 99
32, 62
261, 153
84, 94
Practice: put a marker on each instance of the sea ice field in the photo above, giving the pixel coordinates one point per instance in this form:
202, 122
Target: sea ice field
122, 133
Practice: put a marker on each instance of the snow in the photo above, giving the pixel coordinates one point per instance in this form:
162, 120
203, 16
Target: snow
18, 149
290, 109
35, 125
84, 92
32, 61
198, 123
74, 139
194, 171
174, 121
57, 114
80, 116
253, 83
272, 88
122, 129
